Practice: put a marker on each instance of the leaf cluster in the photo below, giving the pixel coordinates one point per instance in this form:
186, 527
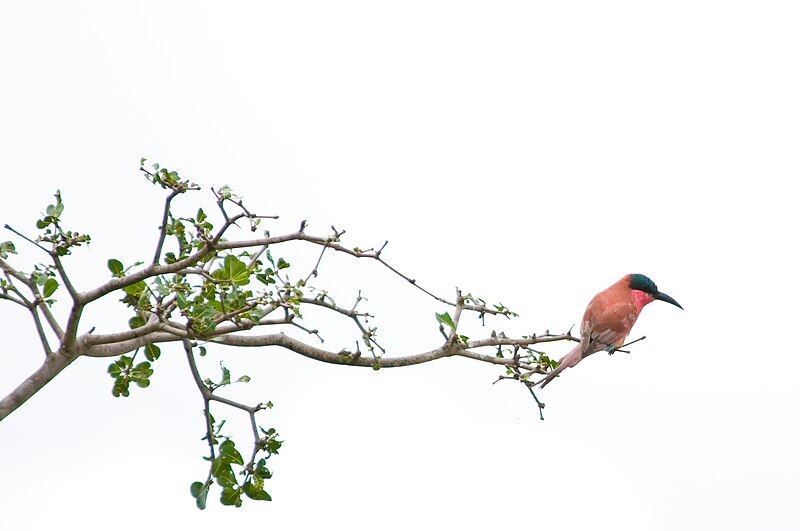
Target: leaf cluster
62, 240
229, 471
124, 372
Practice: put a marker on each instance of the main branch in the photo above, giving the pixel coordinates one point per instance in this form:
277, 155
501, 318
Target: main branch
207, 285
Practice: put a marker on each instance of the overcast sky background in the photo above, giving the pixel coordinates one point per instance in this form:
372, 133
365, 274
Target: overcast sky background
528, 152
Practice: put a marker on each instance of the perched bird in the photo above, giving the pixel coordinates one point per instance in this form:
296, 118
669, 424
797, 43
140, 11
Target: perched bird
609, 318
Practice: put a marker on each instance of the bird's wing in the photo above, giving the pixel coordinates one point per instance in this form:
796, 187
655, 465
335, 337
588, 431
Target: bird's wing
607, 324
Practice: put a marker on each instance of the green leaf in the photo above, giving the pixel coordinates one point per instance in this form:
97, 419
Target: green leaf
115, 266
224, 473
135, 290
282, 264
7, 248
265, 279
255, 492
200, 492
229, 453
233, 270
231, 496
181, 299
445, 318
152, 352
273, 444
203, 317
54, 211
50, 287
119, 366
226, 375
256, 314
162, 287
140, 374
120, 388
225, 192
196, 489
218, 466
136, 322
261, 471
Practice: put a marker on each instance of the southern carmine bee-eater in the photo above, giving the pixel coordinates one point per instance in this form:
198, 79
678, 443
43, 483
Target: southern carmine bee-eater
609, 318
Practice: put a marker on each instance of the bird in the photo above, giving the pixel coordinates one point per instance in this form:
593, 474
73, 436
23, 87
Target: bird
609, 317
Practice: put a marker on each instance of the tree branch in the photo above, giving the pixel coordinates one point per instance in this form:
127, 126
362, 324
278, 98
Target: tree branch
52, 365
162, 236
15, 231
91, 340
341, 358
64, 277
40, 330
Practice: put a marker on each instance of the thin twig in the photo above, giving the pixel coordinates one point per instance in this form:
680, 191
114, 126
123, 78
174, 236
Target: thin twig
40, 331
315, 271
539, 404
15, 231
162, 236
64, 277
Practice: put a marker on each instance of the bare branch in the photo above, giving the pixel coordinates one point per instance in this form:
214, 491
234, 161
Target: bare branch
330, 242
69, 339
206, 392
51, 367
309, 351
457, 313
40, 331
17, 296
51, 320
619, 349
8, 297
324, 304
163, 229
64, 277
10, 271
315, 271
153, 324
15, 231
309, 331
524, 342
31, 306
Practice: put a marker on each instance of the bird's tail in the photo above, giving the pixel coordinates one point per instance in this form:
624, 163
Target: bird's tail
570, 360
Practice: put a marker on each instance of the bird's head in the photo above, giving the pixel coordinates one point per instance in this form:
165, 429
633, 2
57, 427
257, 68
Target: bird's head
649, 291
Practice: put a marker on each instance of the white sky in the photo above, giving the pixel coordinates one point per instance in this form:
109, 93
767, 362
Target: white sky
529, 152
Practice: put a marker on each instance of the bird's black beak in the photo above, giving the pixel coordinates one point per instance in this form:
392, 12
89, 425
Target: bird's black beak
666, 298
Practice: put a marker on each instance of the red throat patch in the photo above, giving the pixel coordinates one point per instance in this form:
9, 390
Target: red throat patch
641, 299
